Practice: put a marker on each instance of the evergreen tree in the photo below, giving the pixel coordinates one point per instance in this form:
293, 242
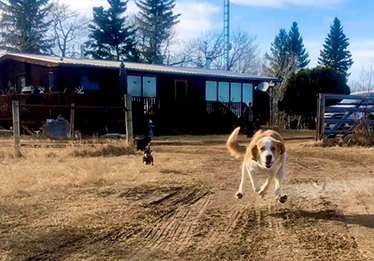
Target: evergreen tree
278, 59
296, 48
335, 54
155, 22
110, 37
287, 53
24, 26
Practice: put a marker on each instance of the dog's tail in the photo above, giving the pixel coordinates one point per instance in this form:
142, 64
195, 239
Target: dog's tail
233, 146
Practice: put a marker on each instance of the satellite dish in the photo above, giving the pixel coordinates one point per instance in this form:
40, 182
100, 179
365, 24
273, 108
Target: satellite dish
264, 86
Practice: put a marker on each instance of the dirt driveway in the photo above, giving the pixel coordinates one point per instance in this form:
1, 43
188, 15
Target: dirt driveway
54, 206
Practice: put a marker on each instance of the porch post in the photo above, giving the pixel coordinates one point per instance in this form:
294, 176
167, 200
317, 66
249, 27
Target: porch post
128, 118
128, 104
16, 128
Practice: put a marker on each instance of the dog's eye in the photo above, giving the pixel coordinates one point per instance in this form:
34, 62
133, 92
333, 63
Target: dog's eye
262, 149
272, 148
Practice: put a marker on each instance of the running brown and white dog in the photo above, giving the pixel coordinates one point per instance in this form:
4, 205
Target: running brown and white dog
265, 154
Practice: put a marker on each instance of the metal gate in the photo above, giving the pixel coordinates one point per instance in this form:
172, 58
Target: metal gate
340, 114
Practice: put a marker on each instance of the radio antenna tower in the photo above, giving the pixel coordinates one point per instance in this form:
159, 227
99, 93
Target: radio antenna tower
226, 33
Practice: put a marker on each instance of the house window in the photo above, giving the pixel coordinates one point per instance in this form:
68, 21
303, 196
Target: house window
211, 91
236, 92
88, 85
223, 91
139, 86
134, 85
51, 80
149, 87
228, 92
247, 92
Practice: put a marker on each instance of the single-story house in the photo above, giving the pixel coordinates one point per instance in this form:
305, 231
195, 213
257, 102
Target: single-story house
176, 99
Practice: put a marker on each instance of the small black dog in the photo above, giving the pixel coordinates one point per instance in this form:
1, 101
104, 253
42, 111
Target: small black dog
148, 158
141, 144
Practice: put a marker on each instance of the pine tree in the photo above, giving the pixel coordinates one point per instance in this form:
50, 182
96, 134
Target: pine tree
155, 21
287, 53
335, 54
110, 37
296, 48
24, 26
278, 59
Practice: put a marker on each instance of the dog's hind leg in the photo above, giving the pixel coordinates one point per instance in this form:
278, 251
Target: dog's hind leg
240, 193
278, 183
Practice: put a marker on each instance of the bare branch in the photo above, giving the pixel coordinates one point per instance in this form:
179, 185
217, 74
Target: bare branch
69, 27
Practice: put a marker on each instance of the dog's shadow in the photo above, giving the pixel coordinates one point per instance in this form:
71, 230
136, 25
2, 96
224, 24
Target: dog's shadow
365, 220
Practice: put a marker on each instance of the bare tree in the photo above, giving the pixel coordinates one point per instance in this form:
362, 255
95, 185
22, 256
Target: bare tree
244, 54
280, 117
210, 45
69, 28
184, 56
366, 81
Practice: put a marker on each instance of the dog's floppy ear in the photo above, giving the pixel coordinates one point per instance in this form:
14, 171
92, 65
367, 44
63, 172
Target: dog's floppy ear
254, 153
280, 146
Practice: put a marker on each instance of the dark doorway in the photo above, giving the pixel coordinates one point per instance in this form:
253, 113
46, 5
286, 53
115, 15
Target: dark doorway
181, 91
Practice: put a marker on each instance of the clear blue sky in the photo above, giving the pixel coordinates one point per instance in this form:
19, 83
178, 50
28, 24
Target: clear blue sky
264, 19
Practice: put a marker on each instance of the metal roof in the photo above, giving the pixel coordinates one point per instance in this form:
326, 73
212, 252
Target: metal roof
54, 61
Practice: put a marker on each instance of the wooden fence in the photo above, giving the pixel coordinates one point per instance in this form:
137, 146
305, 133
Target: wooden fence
340, 114
16, 121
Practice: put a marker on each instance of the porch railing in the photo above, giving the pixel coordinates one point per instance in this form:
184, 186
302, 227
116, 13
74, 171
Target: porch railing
149, 105
225, 108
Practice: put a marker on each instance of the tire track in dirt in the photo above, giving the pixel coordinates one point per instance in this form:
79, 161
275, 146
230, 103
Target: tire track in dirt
174, 231
240, 226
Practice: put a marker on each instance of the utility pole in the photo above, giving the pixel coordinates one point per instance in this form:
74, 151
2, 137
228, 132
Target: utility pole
226, 32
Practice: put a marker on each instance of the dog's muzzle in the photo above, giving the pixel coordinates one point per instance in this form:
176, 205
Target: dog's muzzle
268, 162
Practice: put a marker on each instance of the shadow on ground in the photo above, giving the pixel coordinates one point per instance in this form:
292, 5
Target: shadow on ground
366, 220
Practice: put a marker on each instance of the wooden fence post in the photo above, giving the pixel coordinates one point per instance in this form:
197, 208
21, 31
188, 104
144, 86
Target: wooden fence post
128, 118
16, 128
72, 119
320, 116
323, 104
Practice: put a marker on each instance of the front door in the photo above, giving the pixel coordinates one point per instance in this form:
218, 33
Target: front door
181, 91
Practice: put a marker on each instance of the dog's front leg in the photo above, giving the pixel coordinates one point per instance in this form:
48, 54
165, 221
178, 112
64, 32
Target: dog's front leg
252, 177
266, 185
240, 193
278, 183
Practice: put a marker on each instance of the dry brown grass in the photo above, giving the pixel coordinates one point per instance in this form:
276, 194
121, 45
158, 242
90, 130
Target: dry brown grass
46, 167
111, 148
